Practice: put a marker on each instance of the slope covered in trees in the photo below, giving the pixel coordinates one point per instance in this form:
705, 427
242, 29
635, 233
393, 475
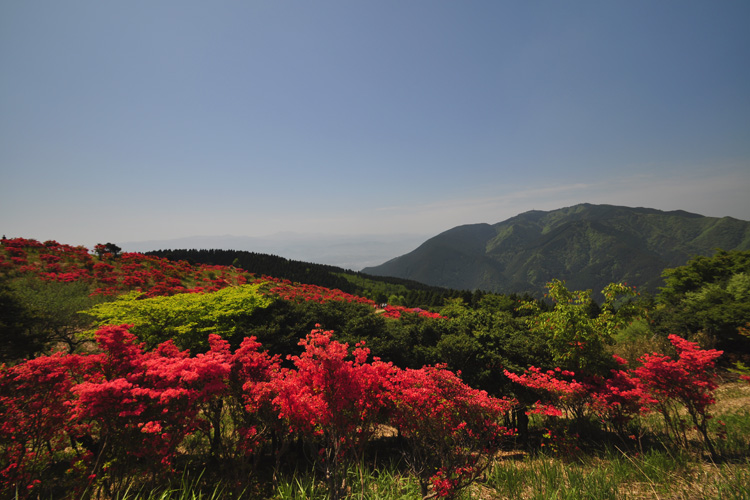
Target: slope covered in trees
585, 245
381, 289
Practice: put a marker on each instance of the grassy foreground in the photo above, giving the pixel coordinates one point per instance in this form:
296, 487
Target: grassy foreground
655, 475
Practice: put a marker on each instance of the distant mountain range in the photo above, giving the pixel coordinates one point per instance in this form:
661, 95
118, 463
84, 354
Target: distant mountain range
586, 245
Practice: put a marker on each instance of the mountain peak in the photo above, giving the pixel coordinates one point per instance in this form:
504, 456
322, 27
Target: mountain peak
586, 245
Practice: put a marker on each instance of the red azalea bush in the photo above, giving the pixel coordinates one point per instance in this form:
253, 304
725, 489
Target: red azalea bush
660, 384
396, 312
35, 420
336, 400
688, 381
450, 430
138, 407
621, 398
288, 290
564, 395
123, 416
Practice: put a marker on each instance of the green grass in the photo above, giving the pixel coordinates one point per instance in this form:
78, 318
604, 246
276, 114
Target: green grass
616, 475
611, 475
544, 477
385, 483
732, 420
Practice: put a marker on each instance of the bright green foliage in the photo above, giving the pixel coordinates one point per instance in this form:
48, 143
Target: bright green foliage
187, 318
577, 330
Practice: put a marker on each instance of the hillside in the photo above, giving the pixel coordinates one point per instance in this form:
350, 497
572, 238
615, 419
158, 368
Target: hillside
586, 245
395, 291
48, 291
109, 275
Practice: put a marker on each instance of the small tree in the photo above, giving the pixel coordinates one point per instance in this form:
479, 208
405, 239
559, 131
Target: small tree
577, 338
111, 249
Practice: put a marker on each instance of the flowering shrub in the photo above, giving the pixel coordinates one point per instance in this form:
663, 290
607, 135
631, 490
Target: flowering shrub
253, 385
620, 398
137, 407
123, 414
337, 400
287, 290
34, 419
396, 312
660, 384
562, 396
688, 381
450, 429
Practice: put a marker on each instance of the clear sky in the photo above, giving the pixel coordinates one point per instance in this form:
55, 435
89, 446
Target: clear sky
140, 120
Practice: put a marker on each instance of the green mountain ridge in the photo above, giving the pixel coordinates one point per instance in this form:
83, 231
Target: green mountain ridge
586, 245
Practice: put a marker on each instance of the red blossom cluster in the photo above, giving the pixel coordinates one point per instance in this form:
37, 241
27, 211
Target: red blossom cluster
396, 311
154, 276
690, 378
563, 395
660, 384
452, 430
288, 290
123, 412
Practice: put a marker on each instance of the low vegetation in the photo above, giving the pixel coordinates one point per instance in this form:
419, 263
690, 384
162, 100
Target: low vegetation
132, 376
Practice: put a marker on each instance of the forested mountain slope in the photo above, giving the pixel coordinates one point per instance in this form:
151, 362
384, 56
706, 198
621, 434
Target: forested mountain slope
586, 245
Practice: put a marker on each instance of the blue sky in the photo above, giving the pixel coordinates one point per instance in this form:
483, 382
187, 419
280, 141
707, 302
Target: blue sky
130, 121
